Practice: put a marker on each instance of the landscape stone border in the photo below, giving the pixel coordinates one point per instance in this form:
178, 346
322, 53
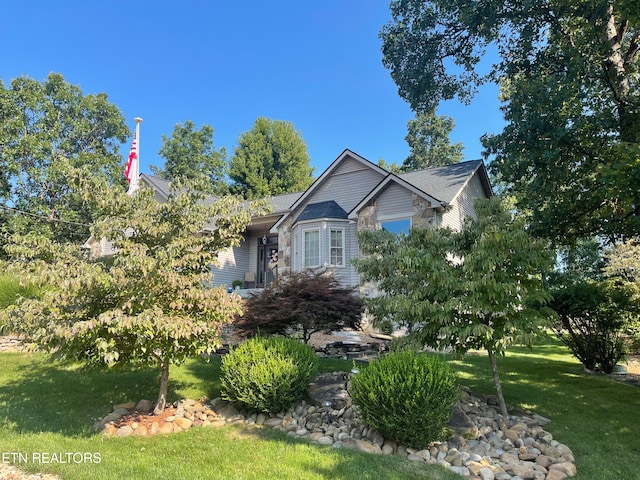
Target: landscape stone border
478, 450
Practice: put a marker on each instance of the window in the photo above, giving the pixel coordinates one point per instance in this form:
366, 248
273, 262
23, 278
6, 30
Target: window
311, 248
399, 226
337, 248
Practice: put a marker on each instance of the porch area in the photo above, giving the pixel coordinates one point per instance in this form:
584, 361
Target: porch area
250, 266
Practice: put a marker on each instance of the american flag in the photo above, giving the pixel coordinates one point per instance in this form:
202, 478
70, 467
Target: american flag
133, 154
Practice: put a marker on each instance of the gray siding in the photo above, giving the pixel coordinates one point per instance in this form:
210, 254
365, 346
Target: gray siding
348, 275
452, 217
462, 205
394, 200
107, 247
469, 194
233, 263
348, 185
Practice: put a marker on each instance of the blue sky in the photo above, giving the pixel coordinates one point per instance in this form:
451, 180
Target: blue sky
225, 63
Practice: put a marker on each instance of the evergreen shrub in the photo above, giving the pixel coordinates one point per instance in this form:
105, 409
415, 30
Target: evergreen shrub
268, 374
407, 396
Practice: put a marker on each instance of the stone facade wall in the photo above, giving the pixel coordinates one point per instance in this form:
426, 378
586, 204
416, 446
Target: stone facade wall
423, 213
285, 242
367, 218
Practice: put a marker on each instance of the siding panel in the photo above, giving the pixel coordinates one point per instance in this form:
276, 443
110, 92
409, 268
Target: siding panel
462, 205
347, 274
469, 194
348, 185
394, 200
233, 263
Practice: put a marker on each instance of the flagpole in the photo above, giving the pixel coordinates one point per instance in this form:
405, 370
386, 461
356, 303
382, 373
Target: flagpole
134, 184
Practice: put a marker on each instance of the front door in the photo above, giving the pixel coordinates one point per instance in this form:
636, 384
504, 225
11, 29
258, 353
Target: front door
267, 261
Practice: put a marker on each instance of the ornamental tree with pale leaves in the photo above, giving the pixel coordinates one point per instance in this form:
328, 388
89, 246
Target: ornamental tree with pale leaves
150, 304
480, 288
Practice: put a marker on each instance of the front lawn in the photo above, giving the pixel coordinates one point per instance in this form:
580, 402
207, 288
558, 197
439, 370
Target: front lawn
49, 408
597, 417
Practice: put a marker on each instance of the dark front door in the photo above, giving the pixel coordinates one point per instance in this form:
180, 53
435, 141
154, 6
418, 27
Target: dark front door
267, 262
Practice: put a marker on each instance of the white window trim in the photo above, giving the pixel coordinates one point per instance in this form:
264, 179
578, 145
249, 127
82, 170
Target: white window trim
304, 248
394, 217
344, 246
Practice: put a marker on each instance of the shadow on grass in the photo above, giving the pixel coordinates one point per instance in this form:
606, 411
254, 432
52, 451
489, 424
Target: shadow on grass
37, 395
301, 458
534, 379
590, 413
208, 372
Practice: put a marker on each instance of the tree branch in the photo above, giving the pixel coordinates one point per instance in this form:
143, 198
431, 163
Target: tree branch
634, 47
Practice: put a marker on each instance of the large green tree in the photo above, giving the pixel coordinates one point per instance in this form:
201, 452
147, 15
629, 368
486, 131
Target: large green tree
189, 153
569, 75
270, 159
48, 130
623, 264
595, 294
480, 288
151, 304
428, 138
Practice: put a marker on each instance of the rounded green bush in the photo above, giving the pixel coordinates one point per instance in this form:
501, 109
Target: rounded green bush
406, 396
268, 374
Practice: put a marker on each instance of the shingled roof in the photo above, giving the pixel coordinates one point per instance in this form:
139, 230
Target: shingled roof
328, 209
443, 183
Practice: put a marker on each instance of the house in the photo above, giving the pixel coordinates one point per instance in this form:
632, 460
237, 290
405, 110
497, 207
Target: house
318, 227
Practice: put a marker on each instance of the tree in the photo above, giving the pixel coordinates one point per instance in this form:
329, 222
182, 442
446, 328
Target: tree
623, 264
270, 159
593, 320
478, 288
623, 269
190, 154
428, 138
593, 295
303, 302
47, 131
583, 260
392, 167
568, 72
149, 305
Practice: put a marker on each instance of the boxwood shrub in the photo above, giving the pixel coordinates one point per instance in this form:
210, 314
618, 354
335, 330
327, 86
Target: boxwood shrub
406, 396
268, 374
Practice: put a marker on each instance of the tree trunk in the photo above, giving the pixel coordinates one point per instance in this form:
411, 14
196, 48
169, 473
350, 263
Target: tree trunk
498, 385
618, 74
164, 383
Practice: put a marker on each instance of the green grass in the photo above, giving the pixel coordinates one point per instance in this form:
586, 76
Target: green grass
10, 288
597, 417
49, 407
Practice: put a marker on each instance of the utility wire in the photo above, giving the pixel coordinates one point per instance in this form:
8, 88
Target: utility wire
42, 217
